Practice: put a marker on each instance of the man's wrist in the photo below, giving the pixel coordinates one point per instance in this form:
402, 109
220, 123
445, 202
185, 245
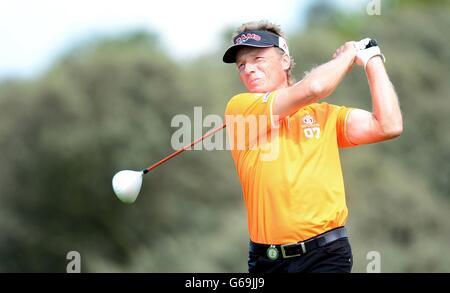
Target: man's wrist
376, 60
348, 60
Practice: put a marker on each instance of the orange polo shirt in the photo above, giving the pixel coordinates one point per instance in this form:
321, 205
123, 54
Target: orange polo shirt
289, 169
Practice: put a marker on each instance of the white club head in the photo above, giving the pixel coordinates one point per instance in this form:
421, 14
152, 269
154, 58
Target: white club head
127, 184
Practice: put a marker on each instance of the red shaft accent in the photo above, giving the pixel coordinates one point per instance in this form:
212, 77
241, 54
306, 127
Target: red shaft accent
208, 134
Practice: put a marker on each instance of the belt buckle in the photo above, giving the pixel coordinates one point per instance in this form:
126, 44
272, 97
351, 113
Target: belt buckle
283, 252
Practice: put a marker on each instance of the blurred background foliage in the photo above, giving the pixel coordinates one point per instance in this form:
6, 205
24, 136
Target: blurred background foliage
107, 105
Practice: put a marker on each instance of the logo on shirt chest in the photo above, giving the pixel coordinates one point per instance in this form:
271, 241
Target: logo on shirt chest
310, 127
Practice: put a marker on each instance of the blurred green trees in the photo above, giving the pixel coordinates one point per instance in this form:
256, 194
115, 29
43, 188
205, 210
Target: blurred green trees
107, 106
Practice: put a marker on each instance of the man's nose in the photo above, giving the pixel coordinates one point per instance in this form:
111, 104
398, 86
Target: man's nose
249, 68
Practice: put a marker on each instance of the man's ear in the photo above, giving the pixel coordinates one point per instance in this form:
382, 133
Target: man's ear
285, 61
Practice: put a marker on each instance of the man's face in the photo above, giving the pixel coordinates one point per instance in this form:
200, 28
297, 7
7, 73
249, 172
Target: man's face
261, 69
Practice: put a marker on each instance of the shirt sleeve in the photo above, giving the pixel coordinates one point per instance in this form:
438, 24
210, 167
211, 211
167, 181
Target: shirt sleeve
341, 127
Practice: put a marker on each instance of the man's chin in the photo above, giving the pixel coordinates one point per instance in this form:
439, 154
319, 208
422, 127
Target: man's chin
257, 90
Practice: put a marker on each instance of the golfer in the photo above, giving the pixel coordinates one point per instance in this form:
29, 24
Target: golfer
295, 200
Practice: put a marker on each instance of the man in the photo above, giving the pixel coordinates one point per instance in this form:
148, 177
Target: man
295, 200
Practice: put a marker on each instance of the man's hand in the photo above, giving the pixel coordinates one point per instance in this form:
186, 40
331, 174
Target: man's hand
348, 50
367, 48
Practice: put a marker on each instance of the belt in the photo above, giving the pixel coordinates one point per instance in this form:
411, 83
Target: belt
297, 248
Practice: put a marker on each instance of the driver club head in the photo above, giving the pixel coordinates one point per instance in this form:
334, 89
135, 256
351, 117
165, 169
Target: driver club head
127, 184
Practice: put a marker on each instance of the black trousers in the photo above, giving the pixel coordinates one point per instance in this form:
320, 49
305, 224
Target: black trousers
335, 257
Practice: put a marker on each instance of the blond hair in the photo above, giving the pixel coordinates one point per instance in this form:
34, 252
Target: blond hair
264, 25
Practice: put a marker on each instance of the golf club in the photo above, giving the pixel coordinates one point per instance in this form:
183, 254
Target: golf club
127, 183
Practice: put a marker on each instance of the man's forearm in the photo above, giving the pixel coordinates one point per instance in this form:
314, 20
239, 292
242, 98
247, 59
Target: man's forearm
316, 85
386, 108
324, 79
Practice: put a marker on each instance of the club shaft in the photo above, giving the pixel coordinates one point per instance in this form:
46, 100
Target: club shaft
208, 134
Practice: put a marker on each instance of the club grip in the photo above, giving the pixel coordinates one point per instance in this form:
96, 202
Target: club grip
366, 43
372, 43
